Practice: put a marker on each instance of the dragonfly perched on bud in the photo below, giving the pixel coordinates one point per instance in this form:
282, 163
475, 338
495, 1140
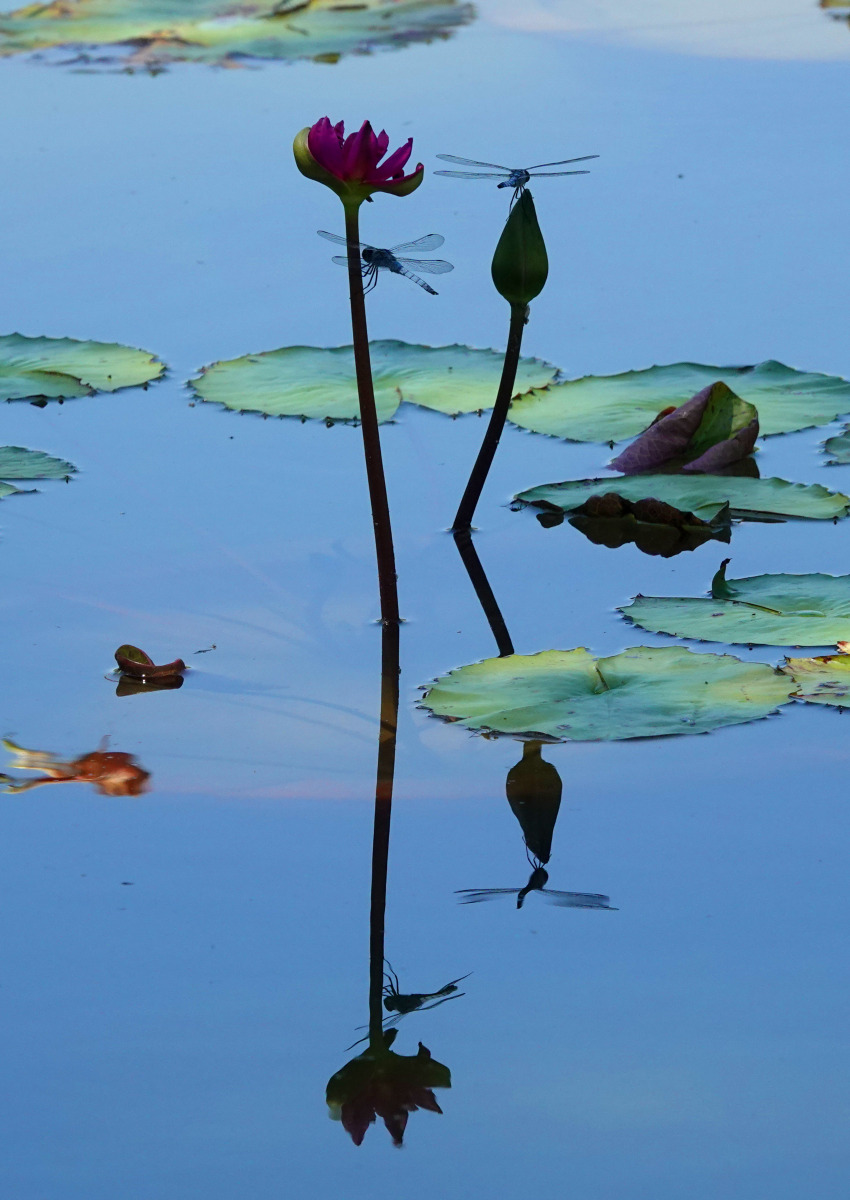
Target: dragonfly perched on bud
537, 883
374, 259
512, 177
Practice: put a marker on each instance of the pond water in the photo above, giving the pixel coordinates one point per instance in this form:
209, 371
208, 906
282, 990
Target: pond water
183, 970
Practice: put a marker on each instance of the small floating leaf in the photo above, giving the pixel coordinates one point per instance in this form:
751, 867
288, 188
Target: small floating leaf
63, 368
764, 610
570, 695
839, 448
823, 680
138, 665
313, 382
703, 495
609, 408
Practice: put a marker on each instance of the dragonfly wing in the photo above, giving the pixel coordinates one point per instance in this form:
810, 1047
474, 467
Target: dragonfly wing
431, 266
473, 174
543, 174
334, 237
471, 162
431, 241
473, 896
563, 162
577, 899
341, 260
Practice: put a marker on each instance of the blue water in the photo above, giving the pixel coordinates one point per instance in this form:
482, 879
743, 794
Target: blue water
182, 971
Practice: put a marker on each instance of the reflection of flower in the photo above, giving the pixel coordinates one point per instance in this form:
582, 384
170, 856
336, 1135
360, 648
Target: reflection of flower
380, 1083
352, 165
112, 772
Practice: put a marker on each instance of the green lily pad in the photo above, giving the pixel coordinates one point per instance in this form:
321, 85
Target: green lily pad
152, 33
764, 610
839, 448
18, 463
703, 495
646, 691
823, 680
609, 408
6, 489
34, 368
312, 382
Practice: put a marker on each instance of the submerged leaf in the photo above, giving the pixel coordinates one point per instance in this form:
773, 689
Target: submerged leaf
570, 695
764, 610
62, 368
654, 527
712, 430
310, 381
704, 495
610, 408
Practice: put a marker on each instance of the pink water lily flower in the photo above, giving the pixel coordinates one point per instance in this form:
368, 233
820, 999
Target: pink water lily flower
352, 165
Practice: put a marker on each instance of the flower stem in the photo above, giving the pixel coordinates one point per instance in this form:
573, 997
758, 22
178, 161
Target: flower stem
369, 426
478, 476
481, 584
381, 828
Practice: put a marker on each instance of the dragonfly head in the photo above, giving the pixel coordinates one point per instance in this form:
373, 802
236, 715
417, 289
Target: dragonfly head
368, 254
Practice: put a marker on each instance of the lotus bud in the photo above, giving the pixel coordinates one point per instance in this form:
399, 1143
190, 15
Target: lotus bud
520, 264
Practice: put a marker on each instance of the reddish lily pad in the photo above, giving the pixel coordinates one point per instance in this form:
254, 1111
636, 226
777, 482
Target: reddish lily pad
138, 665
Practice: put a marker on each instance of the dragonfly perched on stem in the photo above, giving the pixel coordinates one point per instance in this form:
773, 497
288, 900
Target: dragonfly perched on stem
537, 883
512, 177
374, 259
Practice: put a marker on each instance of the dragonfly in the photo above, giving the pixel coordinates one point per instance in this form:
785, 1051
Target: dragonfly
400, 1003
512, 177
537, 883
375, 259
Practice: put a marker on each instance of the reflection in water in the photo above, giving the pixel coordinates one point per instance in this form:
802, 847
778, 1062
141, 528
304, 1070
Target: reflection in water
481, 584
379, 1082
112, 772
534, 794
149, 34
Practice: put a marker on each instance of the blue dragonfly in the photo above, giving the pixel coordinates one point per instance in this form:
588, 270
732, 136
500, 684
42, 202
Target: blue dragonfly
512, 177
374, 259
537, 883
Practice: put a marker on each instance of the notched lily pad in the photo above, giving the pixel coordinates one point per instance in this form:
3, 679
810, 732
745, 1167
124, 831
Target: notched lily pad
314, 382
705, 496
824, 680
610, 408
39, 369
571, 695
763, 610
134, 663
150, 34
711, 431
18, 463
839, 448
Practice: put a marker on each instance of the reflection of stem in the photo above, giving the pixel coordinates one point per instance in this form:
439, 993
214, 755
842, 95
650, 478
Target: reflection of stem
466, 511
381, 835
369, 426
479, 580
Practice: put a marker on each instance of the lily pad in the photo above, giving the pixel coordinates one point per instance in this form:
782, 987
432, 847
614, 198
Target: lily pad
42, 368
764, 610
654, 527
18, 463
703, 495
823, 680
713, 430
609, 408
839, 448
309, 381
571, 695
153, 33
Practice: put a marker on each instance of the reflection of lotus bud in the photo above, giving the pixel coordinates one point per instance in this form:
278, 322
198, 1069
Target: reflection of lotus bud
380, 1083
520, 264
534, 794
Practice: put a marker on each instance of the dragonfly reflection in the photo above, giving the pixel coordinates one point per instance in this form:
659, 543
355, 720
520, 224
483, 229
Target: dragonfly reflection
400, 1003
512, 177
537, 883
374, 259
